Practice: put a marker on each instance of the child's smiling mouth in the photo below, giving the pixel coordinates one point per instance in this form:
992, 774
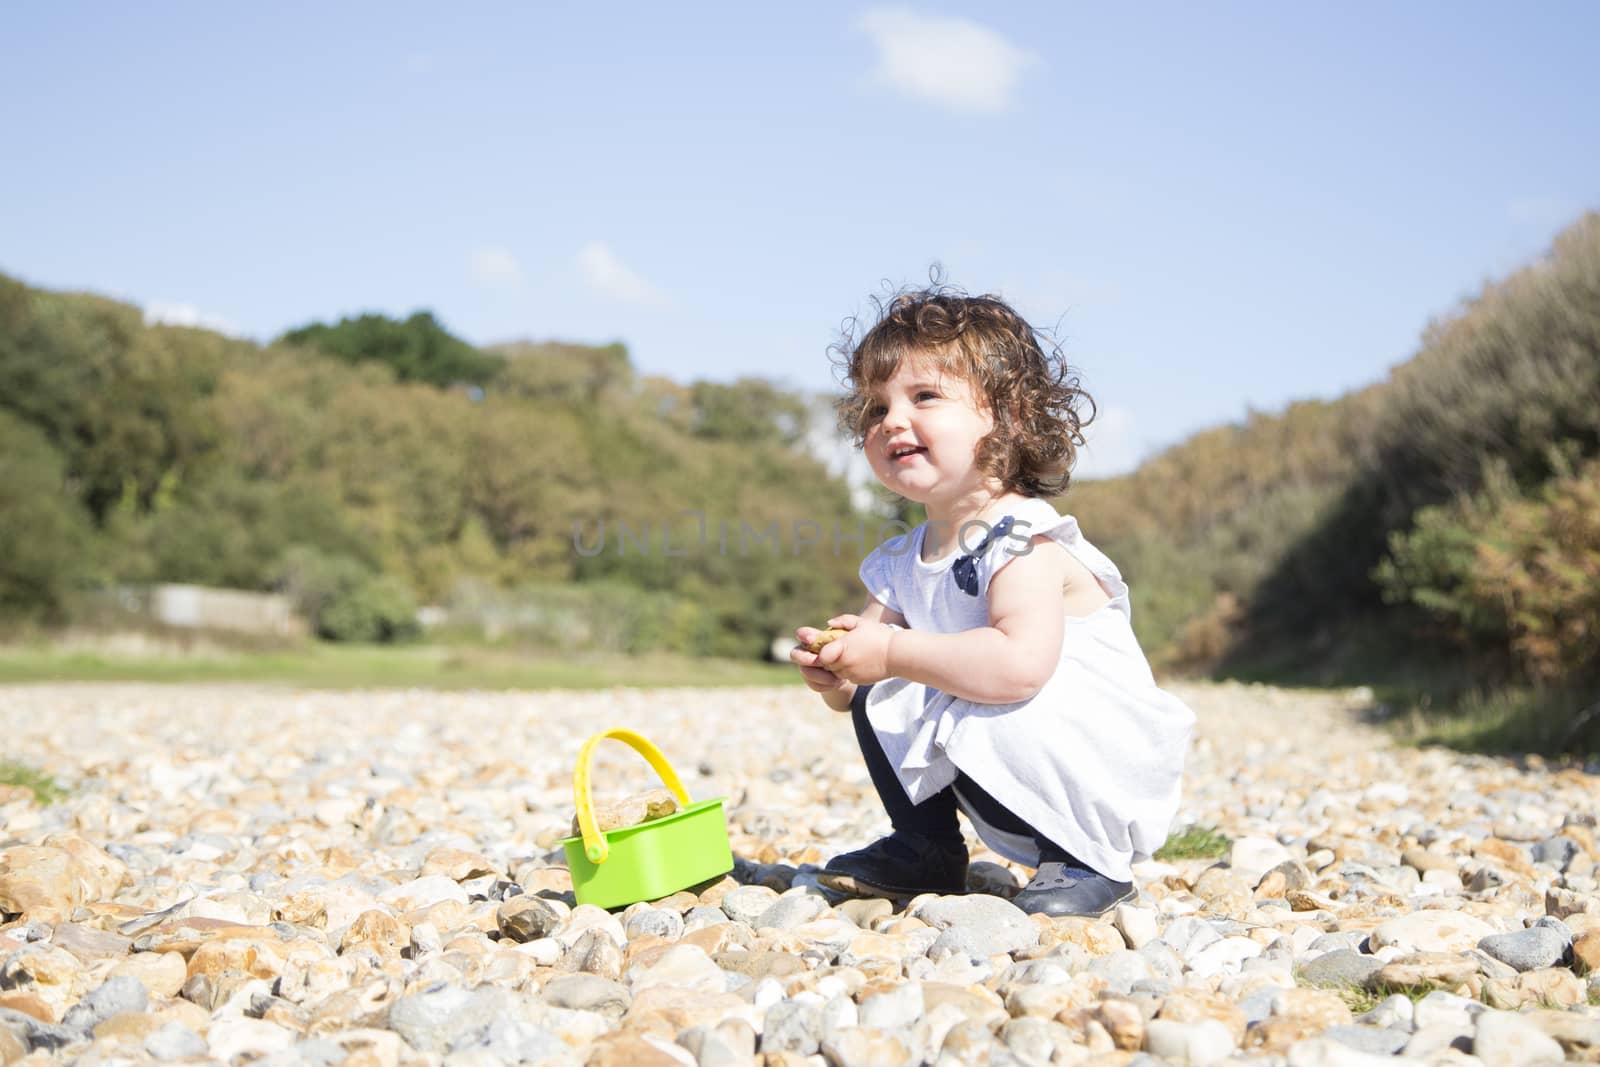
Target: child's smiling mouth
905, 453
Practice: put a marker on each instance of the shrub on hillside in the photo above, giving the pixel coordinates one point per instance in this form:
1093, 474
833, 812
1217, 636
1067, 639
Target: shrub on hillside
1516, 576
344, 600
378, 610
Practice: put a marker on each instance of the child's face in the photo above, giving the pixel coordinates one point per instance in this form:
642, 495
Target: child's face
923, 436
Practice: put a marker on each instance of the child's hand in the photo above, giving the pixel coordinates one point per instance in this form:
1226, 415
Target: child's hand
818, 679
861, 655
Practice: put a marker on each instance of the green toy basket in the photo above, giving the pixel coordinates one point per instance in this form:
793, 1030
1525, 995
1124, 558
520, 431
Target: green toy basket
651, 860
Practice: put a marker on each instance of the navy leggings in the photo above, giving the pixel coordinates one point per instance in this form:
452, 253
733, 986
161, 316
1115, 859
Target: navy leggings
935, 817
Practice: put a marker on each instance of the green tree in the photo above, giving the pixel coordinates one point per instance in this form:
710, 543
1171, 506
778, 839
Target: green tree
417, 348
44, 534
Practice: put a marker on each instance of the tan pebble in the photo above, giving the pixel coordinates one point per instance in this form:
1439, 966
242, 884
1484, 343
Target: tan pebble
680, 902
1123, 1022
631, 810
1305, 900
719, 937
1505, 852
187, 935
445, 915
1217, 881
713, 893
183, 1012
89, 944
127, 1027
29, 1004
50, 973
1273, 886
1427, 968
378, 931
1194, 1005
306, 908
1562, 902
258, 959
11, 1047
42, 883
1422, 861
1555, 986
668, 1010
646, 949
1585, 839
457, 864
162, 973
1094, 936
824, 638
862, 910
1586, 952
536, 880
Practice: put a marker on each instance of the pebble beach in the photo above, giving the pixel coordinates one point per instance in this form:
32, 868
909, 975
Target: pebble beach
265, 875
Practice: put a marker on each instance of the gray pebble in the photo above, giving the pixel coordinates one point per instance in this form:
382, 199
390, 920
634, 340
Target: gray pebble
442, 1018
792, 1026
1556, 852
746, 903
1342, 939
981, 924
175, 1042
1527, 950
112, 996
587, 992
655, 921
789, 911
1375, 1040
703, 915
1341, 968
516, 1041
1121, 969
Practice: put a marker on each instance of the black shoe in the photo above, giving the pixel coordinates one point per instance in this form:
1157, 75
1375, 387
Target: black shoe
900, 865
1062, 888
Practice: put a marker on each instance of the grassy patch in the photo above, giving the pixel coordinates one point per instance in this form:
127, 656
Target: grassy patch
45, 790
1361, 999
328, 666
1195, 843
1509, 720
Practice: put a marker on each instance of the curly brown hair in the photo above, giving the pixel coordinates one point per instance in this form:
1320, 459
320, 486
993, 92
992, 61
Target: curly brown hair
1038, 405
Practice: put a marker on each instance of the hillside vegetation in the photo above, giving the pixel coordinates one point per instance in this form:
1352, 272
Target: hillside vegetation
375, 464
1440, 530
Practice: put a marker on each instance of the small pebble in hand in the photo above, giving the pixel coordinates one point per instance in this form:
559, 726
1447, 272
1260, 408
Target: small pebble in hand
824, 637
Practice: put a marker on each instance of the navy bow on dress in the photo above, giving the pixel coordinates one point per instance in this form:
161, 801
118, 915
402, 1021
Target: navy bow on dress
965, 570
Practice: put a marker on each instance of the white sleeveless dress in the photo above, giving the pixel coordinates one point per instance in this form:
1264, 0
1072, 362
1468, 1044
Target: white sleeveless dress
1092, 761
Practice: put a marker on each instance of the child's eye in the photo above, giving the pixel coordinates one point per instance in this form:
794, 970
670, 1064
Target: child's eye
877, 411
927, 394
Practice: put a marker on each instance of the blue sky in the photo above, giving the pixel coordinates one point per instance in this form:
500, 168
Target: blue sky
1218, 207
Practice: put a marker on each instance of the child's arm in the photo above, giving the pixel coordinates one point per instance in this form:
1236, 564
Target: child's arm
1002, 663
835, 691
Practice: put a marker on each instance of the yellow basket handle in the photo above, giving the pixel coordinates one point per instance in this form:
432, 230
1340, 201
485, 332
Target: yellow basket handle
594, 842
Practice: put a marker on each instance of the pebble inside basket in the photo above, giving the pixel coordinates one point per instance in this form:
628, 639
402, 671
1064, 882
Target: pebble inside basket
654, 859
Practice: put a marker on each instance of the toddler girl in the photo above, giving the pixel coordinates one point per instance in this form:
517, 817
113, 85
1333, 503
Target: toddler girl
993, 668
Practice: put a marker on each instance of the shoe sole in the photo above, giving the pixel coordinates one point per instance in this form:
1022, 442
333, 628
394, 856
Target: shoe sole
847, 883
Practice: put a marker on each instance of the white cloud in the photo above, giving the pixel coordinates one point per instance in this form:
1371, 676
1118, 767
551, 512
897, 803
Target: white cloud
1113, 446
953, 62
607, 274
164, 314
496, 268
